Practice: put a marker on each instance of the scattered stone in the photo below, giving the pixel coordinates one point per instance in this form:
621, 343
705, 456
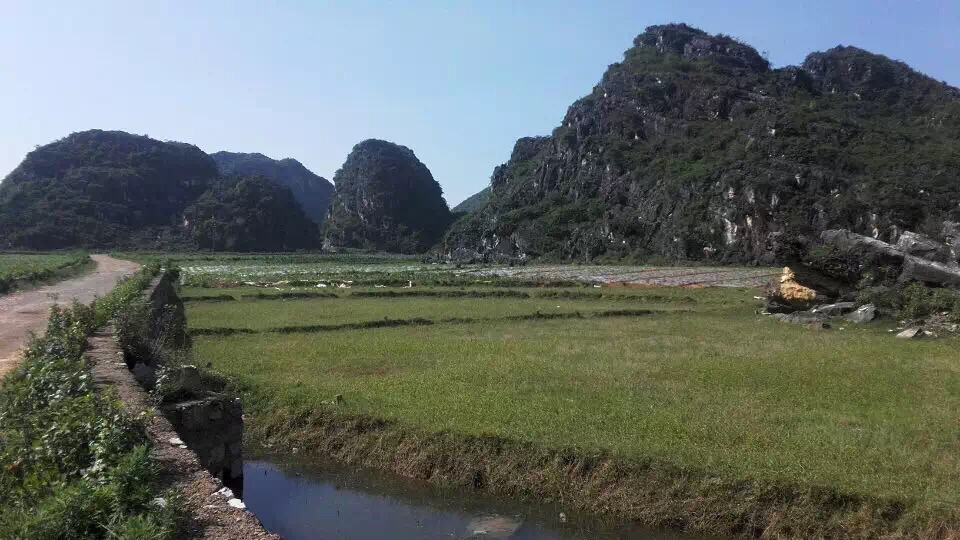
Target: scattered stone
186, 378
773, 305
863, 314
175, 441
801, 317
832, 310
911, 333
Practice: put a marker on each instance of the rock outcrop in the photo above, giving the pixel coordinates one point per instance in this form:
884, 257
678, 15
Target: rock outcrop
386, 199
311, 191
692, 147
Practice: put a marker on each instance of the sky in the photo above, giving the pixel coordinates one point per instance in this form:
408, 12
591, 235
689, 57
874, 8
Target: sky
456, 81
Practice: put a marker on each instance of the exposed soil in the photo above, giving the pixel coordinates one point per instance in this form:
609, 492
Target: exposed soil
26, 311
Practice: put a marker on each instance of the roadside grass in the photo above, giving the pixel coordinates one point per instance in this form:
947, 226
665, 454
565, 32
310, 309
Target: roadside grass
73, 463
717, 390
18, 270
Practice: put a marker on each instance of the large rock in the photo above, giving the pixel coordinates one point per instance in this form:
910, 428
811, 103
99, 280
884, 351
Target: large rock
913, 268
802, 317
832, 310
386, 199
916, 269
923, 246
862, 314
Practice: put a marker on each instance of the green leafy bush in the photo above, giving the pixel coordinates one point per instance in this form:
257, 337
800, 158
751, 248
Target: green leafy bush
73, 462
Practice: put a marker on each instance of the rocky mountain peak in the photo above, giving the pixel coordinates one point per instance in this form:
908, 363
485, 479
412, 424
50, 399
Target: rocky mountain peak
695, 44
386, 199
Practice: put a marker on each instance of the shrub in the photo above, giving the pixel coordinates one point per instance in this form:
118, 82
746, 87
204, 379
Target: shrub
73, 463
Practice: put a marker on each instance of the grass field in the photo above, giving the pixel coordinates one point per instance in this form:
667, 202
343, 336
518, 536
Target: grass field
702, 383
17, 269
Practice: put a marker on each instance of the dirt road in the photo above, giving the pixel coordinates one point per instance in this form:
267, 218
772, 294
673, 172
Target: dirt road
24, 311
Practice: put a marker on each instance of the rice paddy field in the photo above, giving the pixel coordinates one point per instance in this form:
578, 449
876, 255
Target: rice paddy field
692, 377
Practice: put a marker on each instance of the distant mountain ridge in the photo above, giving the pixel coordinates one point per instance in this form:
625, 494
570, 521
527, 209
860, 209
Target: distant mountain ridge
110, 189
311, 191
692, 147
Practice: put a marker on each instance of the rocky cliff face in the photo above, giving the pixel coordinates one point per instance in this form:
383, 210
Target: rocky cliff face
386, 199
692, 147
311, 191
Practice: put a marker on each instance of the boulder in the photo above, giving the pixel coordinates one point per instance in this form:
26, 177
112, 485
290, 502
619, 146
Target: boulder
863, 314
922, 246
916, 269
791, 291
914, 332
801, 317
844, 239
832, 310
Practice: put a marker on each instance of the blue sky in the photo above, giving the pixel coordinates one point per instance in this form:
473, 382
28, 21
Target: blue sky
456, 81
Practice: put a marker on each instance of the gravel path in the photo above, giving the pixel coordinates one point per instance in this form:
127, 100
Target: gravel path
26, 311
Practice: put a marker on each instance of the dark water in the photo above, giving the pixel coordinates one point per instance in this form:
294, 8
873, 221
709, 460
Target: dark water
326, 501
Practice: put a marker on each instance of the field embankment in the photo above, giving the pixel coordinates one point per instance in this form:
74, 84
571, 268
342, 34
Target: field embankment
25, 270
25, 311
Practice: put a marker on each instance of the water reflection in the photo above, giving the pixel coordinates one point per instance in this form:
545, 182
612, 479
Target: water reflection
322, 501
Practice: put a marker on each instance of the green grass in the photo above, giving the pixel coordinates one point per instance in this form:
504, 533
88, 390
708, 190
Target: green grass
18, 268
347, 309
726, 391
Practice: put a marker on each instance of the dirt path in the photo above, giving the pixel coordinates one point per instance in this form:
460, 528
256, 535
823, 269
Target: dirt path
21, 312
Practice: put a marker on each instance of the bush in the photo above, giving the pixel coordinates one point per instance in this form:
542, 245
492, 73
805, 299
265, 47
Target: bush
73, 463
917, 300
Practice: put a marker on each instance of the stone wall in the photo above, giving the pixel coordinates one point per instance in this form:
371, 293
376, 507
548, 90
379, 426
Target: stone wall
213, 428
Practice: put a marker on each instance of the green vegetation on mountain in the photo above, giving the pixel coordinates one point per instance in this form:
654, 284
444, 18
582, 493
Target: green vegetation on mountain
692, 147
386, 199
473, 202
110, 189
101, 189
311, 191
249, 214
